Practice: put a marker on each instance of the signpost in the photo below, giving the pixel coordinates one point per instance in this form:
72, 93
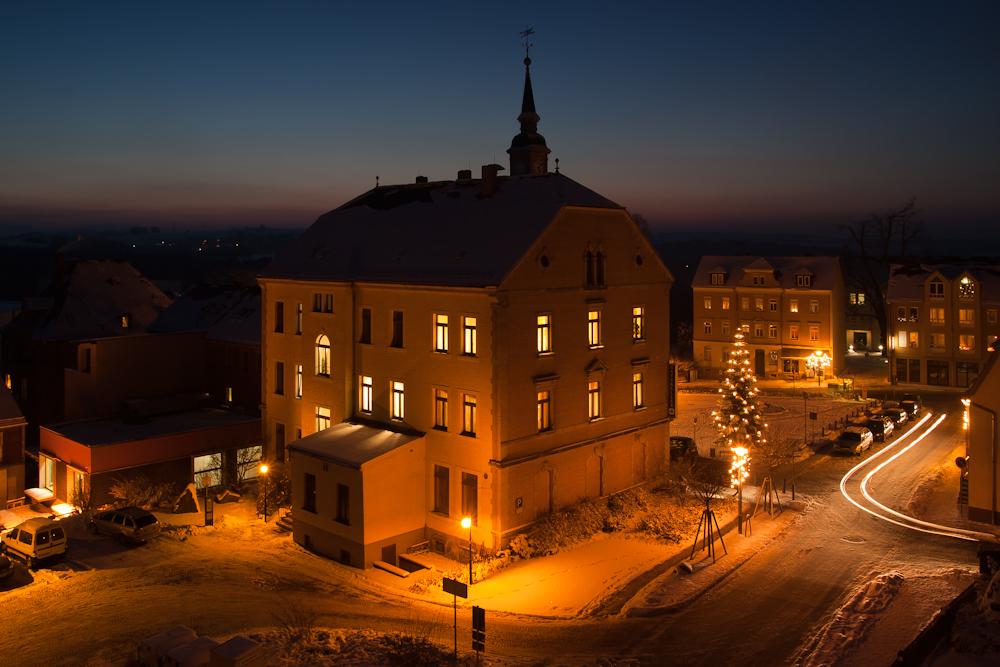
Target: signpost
209, 511
478, 631
458, 589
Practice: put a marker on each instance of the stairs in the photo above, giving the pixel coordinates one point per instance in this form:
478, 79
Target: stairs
284, 523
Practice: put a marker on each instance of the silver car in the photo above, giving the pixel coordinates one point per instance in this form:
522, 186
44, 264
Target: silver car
128, 524
854, 439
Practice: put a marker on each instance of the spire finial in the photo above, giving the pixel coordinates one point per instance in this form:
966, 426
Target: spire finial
528, 152
527, 32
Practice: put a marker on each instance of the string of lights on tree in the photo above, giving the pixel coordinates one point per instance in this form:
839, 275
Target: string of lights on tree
738, 418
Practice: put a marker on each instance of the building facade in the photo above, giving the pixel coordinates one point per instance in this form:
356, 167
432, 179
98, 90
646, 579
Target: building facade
12, 424
942, 322
491, 348
789, 308
982, 475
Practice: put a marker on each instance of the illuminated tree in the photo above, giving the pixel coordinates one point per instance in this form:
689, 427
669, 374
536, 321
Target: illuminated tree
738, 417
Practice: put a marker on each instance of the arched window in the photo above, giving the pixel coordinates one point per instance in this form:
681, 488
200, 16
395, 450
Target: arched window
323, 356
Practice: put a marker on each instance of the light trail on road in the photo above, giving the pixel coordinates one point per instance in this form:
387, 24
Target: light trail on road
931, 528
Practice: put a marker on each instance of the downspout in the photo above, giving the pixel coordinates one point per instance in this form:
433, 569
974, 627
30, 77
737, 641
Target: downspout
993, 458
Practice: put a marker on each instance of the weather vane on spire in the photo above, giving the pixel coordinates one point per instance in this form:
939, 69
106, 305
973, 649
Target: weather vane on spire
527, 32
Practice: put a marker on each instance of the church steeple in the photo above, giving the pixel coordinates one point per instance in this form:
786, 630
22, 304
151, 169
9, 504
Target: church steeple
528, 152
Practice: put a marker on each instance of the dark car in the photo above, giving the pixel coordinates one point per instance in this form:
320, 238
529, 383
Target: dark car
897, 415
128, 524
681, 447
915, 398
6, 567
881, 427
912, 408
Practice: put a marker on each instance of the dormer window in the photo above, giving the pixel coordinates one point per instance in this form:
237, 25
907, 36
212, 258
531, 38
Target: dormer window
803, 281
758, 280
966, 288
937, 289
718, 278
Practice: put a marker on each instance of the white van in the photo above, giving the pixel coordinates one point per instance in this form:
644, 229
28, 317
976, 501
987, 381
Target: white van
34, 540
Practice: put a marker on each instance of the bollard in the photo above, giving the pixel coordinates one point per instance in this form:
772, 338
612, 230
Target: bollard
784, 481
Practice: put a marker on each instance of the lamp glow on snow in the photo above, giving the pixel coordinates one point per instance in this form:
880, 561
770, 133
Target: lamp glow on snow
467, 523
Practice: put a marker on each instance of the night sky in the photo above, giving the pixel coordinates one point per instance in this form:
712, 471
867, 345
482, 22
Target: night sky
690, 113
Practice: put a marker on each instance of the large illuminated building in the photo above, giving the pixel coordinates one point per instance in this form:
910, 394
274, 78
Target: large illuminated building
493, 347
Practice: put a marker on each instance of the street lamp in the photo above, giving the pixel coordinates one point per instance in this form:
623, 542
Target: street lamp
263, 472
738, 474
467, 523
818, 361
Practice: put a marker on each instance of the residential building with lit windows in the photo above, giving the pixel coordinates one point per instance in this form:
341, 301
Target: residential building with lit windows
982, 413
790, 309
863, 331
492, 348
942, 322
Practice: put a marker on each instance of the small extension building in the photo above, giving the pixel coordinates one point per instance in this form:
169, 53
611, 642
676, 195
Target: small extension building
488, 348
982, 402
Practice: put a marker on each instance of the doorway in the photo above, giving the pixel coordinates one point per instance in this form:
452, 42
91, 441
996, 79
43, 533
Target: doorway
758, 362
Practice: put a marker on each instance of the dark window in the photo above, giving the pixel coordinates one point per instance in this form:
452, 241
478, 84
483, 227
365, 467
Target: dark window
279, 441
397, 329
279, 377
317, 303
914, 370
246, 360
309, 494
42, 538
343, 504
298, 319
965, 373
366, 326
937, 372
279, 317
600, 268
86, 360
470, 497
118, 520
590, 269
441, 490
329, 303
25, 537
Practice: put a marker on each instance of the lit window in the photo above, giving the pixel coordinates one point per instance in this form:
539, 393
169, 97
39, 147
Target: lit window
594, 400
966, 288
543, 409
397, 400
725, 327
229, 394
773, 305
937, 341
279, 378
813, 333
469, 336
857, 298
936, 315
914, 339
725, 303
594, 328
966, 343
323, 356
468, 414
772, 331
966, 317
814, 307
298, 380
758, 304
745, 303
298, 319
367, 394
903, 338
397, 329
544, 334
441, 409
322, 418
793, 332
126, 321
708, 303
937, 289
638, 398
279, 317
708, 327
366, 326
639, 323
440, 333
793, 305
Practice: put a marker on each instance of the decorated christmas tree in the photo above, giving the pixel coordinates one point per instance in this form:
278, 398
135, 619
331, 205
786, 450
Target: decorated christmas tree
738, 417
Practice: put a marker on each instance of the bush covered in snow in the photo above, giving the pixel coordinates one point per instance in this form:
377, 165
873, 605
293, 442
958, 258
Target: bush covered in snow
141, 492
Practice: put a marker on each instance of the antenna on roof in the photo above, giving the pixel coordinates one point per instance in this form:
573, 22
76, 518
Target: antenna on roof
376, 180
527, 32
557, 165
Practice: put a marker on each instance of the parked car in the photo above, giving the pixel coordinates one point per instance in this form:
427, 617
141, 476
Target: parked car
897, 415
681, 447
854, 439
34, 540
128, 524
881, 427
6, 567
915, 398
912, 408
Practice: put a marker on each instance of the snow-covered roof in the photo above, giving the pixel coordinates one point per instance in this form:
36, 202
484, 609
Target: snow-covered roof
90, 301
98, 432
227, 313
351, 444
906, 281
445, 233
825, 270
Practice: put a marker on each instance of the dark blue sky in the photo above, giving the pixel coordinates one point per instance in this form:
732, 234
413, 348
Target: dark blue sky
707, 112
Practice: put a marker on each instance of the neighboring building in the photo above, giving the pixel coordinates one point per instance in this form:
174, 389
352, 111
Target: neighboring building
863, 331
172, 406
12, 424
492, 348
982, 456
94, 299
790, 308
942, 322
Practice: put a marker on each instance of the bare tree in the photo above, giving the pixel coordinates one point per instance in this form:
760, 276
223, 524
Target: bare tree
876, 243
707, 479
642, 224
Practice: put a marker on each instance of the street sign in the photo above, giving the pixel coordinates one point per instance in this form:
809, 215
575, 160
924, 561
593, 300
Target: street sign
478, 629
456, 587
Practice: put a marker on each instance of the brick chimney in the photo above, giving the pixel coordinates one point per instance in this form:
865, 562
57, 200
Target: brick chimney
489, 183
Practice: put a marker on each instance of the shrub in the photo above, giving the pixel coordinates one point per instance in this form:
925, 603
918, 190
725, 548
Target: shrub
279, 490
141, 492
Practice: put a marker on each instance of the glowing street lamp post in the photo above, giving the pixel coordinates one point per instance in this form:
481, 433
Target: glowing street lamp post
738, 473
263, 472
467, 523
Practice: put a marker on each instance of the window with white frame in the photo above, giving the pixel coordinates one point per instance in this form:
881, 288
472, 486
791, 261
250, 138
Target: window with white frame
367, 394
773, 305
793, 332
323, 356
544, 407
298, 381
725, 303
638, 396
594, 328
469, 336
322, 418
813, 333
468, 414
966, 317
937, 341
966, 288
936, 315
594, 400
441, 409
902, 339
744, 303
936, 288
758, 329
707, 354
638, 323
814, 307
966, 343
991, 316
440, 333
758, 304
793, 305
707, 301
210, 466
914, 339
725, 327
544, 332
803, 281
397, 400
772, 331
708, 327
